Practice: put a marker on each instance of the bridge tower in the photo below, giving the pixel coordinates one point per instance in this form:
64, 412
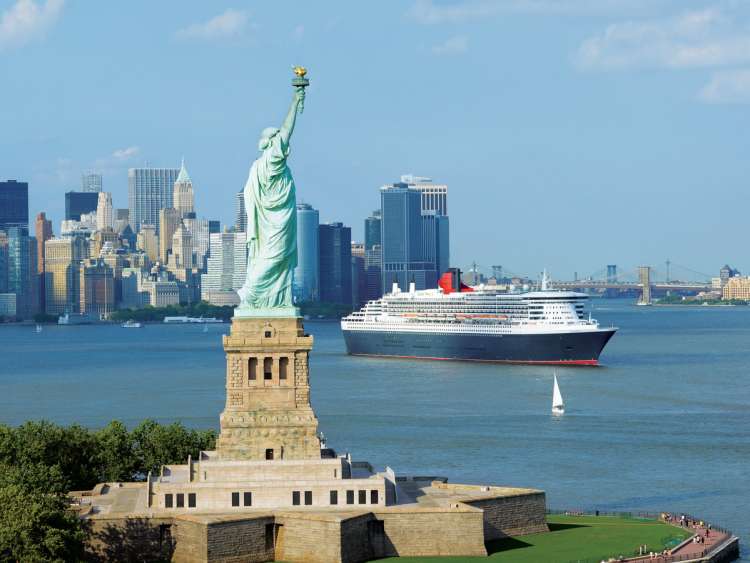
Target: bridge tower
644, 277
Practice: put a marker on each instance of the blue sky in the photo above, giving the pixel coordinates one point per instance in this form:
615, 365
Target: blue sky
572, 133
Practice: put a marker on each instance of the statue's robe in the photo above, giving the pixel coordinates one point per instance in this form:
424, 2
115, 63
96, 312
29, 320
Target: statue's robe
270, 202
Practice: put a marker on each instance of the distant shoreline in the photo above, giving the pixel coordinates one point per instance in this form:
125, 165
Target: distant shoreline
695, 305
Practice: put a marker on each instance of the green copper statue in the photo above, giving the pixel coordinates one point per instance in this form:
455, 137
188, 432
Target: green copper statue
271, 207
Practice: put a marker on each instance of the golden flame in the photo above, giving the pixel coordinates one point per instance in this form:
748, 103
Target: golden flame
300, 71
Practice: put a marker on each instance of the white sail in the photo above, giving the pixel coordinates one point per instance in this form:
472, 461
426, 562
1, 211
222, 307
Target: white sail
557, 400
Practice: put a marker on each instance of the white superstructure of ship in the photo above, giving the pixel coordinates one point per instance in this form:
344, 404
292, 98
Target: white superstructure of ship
461, 322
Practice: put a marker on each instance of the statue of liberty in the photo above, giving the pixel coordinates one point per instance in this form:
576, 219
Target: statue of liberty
270, 203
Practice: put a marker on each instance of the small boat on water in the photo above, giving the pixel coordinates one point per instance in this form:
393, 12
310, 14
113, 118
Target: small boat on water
558, 406
38, 329
205, 328
131, 324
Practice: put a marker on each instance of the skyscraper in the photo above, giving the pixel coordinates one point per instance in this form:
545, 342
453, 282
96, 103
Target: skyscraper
182, 249
14, 204
19, 274
240, 219
335, 248
403, 249
91, 181
359, 275
373, 256
169, 219
148, 241
80, 203
183, 198
226, 268
149, 190
43, 227
434, 197
307, 274
201, 231
436, 240
96, 287
3, 262
61, 258
373, 229
104, 218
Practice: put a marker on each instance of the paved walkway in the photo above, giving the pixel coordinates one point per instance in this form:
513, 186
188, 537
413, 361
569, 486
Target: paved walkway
690, 549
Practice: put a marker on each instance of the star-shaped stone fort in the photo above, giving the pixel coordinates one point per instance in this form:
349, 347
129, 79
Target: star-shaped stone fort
271, 490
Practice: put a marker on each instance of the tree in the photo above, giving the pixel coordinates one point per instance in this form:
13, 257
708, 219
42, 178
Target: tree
156, 445
73, 449
116, 460
36, 524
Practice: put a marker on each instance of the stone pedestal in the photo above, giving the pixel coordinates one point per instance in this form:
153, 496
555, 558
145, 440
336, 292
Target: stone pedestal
268, 413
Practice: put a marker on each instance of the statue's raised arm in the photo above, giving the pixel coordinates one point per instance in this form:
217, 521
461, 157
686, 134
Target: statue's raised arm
291, 117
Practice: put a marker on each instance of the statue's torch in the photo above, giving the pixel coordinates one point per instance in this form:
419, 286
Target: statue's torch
300, 82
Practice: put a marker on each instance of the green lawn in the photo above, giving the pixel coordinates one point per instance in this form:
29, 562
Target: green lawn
573, 538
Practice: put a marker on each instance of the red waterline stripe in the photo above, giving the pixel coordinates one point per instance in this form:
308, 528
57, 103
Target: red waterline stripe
538, 362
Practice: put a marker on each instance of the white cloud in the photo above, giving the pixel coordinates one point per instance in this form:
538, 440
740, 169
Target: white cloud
26, 20
227, 24
704, 38
455, 45
126, 153
429, 12
727, 87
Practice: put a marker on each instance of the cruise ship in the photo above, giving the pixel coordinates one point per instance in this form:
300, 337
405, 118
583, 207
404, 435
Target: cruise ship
482, 323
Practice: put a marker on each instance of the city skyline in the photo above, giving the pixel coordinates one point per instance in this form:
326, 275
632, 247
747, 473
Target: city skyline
633, 150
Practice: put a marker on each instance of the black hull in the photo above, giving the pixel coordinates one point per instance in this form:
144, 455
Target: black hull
571, 348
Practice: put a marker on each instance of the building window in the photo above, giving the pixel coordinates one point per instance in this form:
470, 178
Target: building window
168, 500
373, 497
295, 498
252, 369
283, 366
267, 368
267, 334
362, 497
247, 499
180, 500
334, 497
308, 498
235, 499
269, 453
191, 500
349, 497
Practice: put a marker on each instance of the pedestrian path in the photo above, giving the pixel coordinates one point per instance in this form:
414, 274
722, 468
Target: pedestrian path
704, 540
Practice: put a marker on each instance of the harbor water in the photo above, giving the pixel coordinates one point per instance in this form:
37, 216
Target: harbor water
663, 424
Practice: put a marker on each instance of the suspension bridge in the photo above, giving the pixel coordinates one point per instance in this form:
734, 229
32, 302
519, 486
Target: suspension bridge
644, 280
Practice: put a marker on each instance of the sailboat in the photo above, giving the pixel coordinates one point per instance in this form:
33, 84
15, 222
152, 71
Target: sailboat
38, 328
558, 406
